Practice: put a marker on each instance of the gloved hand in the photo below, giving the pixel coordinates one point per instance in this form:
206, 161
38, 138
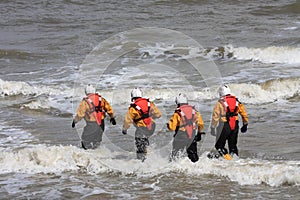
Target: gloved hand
113, 121
73, 124
213, 131
198, 136
124, 132
168, 126
244, 128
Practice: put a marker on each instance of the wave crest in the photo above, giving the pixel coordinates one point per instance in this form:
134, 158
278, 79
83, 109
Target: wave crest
254, 93
57, 159
13, 88
268, 55
268, 91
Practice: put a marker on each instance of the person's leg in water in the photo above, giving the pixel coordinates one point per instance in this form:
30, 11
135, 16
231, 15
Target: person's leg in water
192, 151
222, 136
178, 145
141, 148
232, 140
141, 143
92, 135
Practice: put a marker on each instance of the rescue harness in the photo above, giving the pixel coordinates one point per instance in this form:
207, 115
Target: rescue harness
143, 106
188, 117
230, 104
95, 107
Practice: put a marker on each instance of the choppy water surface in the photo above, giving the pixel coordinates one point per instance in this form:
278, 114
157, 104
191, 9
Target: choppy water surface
44, 46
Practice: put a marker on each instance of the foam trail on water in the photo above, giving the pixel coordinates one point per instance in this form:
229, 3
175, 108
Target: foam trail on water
272, 54
268, 55
12, 88
57, 159
56, 97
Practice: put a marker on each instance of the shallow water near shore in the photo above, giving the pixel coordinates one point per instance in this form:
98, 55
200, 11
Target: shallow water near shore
47, 51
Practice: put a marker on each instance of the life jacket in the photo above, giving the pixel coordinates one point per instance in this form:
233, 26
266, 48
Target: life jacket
230, 104
96, 107
143, 106
188, 117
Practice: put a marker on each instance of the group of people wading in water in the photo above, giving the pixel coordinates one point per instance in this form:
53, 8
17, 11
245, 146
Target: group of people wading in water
186, 122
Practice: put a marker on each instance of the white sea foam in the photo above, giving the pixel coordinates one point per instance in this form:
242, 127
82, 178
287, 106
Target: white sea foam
272, 54
252, 93
37, 104
258, 93
291, 28
57, 159
269, 91
11, 88
248, 171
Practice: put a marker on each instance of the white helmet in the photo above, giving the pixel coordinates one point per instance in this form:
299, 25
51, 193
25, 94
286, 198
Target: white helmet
136, 92
224, 90
181, 98
89, 89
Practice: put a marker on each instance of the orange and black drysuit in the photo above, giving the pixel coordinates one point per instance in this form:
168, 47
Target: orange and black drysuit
225, 119
185, 121
93, 108
141, 114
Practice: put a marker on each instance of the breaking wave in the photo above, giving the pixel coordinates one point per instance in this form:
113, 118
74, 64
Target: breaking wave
268, 55
58, 159
253, 93
268, 91
12, 88
56, 97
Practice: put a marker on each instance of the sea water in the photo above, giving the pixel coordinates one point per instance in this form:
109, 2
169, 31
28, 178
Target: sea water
50, 50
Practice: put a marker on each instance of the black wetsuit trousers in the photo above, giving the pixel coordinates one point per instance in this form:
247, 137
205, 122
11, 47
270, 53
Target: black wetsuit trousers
141, 142
224, 133
182, 141
92, 135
